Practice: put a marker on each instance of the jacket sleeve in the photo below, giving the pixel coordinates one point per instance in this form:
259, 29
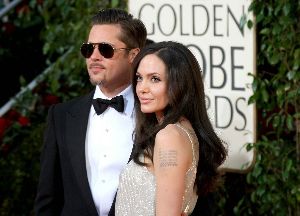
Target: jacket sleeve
49, 198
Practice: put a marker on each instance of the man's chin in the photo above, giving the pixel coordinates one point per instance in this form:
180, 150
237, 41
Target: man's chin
95, 82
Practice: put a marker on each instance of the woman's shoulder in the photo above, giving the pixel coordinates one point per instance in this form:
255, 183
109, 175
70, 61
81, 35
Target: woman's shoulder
173, 143
171, 131
172, 136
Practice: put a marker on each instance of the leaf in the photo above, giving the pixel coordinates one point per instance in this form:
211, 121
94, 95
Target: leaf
261, 191
249, 146
22, 81
250, 24
277, 9
263, 47
296, 59
290, 122
114, 3
274, 59
286, 9
265, 95
257, 171
293, 94
252, 6
291, 74
276, 121
264, 138
276, 29
260, 17
279, 92
254, 85
251, 100
297, 115
297, 54
253, 197
286, 169
265, 31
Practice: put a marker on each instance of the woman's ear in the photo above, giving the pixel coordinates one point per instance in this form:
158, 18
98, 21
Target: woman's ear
133, 53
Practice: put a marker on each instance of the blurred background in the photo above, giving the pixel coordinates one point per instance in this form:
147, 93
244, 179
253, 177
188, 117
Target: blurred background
41, 65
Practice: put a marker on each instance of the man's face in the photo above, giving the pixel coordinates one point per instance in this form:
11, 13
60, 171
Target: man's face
112, 73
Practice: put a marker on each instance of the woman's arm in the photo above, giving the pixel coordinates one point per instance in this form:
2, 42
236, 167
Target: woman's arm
172, 158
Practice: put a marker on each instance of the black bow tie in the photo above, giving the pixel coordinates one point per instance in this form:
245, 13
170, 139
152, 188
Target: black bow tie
100, 105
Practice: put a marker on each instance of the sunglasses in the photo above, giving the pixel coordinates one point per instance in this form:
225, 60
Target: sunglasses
105, 49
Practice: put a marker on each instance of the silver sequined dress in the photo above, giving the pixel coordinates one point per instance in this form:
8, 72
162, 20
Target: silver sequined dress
136, 193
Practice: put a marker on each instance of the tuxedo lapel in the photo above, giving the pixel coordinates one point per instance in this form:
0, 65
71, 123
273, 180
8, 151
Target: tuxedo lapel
77, 120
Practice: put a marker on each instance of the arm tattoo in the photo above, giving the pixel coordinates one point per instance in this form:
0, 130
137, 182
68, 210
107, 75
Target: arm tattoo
167, 158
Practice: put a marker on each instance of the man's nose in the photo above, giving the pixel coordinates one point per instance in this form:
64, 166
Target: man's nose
96, 53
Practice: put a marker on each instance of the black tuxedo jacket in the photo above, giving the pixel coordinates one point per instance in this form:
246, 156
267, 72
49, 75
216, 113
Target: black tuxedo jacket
63, 184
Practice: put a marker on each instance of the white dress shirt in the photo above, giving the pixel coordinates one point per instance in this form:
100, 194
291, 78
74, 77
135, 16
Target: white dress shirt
108, 146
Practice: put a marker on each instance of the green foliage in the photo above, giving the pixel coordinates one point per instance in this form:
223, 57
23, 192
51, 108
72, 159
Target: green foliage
66, 28
274, 183
19, 171
21, 130
274, 180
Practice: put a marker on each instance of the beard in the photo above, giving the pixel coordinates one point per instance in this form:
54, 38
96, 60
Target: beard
95, 82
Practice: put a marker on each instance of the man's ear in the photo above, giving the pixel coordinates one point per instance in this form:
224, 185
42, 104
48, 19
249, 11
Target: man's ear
133, 53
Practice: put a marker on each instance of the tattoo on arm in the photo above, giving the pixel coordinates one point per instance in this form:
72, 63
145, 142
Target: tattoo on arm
167, 158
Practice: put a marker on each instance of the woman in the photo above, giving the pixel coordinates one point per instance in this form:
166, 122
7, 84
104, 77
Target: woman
177, 153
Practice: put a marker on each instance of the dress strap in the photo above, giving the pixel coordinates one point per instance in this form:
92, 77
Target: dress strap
190, 138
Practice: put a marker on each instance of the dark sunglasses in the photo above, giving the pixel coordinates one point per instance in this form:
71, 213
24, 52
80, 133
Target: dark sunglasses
105, 49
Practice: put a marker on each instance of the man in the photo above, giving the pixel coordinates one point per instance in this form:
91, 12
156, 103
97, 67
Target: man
88, 141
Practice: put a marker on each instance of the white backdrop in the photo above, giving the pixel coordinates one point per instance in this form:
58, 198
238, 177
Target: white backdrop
226, 54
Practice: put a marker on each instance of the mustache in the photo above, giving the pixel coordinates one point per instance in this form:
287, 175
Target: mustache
96, 65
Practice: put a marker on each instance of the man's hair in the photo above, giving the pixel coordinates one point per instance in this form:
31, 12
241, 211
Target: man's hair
133, 30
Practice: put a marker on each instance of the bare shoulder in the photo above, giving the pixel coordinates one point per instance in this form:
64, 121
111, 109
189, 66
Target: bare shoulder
170, 136
172, 148
173, 138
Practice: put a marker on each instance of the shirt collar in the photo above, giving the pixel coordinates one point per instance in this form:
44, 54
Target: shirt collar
128, 99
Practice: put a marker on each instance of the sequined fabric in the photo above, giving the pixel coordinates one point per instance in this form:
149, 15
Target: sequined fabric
136, 193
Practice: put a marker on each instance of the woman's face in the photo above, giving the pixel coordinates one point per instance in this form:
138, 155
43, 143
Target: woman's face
152, 85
